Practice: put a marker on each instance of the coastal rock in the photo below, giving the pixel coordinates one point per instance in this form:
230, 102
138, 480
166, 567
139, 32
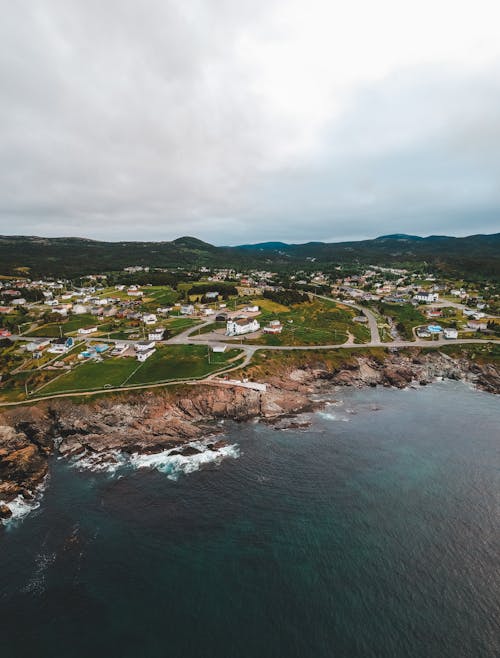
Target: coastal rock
5, 511
150, 422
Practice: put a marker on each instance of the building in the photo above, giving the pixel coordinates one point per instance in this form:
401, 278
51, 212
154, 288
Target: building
274, 327
37, 344
211, 295
241, 326
20, 301
251, 309
426, 297
119, 349
80, 309
61, 345
5, 333
477, 325
84, 331
187, 309
133, 292
143, 355
450, 333
149, 318
157, 334
219, 348
144, 346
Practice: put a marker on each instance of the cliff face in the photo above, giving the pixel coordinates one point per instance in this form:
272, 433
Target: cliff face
152, 421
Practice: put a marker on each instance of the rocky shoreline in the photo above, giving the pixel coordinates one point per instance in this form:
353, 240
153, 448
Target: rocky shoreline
152, 422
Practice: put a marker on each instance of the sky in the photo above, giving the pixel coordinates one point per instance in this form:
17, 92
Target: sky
240, 121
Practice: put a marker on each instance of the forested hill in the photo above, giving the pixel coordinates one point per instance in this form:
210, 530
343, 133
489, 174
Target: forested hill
476, 256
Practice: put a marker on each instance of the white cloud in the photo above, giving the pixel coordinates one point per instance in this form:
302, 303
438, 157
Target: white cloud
234, 120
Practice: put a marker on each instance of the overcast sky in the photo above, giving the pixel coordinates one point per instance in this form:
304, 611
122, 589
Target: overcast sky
241, 121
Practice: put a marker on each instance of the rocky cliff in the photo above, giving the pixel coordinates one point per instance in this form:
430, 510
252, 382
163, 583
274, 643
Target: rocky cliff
153, 421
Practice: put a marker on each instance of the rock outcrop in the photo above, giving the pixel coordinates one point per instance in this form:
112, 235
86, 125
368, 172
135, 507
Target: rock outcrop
152, 421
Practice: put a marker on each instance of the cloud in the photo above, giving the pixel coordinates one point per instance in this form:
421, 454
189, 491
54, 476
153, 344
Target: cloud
241, 121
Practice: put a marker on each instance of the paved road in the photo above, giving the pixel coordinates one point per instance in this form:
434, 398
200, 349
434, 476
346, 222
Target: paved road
372, 320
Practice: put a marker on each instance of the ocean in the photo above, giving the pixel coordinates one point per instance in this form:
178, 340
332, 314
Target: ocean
374, 532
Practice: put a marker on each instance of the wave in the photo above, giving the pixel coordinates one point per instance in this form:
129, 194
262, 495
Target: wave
19, 507
171, 462
174, 465
333, 417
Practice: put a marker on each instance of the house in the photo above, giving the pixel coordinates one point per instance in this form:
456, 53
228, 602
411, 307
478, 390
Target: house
450, 333
133, 292
61, 345
208, 311
477, 325
211, 295
5, 333
144, 346
165, 310
241, 326
20, 301
52, 302
119, 349
426, 297
219, 348
434, 329
187, 309
80, 309
157, 334
149, 318
434, 313
143, 355
362, 319
37, 344
251, 309
84, 331
274, 327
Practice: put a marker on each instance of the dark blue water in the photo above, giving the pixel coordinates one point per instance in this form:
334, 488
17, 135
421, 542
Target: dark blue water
373, 533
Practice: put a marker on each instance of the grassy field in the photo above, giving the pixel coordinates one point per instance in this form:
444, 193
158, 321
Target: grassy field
180, 362
314, 323
405, 317
167, 363
75, 322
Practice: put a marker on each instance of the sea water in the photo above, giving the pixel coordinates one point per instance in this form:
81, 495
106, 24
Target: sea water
373, 532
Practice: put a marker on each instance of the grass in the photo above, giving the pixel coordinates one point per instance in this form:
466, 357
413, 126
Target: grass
167, 363
75, 322
405, 316
313, 323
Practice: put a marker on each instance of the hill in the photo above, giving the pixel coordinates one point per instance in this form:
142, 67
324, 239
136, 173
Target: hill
476, 256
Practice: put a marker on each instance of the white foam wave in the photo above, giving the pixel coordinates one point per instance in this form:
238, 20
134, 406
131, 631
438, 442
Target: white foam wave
20, 507
333, 417
167, 461
174, 465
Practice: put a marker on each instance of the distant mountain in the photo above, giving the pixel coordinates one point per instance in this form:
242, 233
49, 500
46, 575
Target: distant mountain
476, 256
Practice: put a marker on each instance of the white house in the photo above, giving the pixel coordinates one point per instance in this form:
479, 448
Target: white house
157, 334
477, 325
274, 327
119, 349
251, 309
241, 326
84, 331
142, 356
149, 318
187, 309
20, 301
450, 333
144, 346
208, 311
80, 309
426, 297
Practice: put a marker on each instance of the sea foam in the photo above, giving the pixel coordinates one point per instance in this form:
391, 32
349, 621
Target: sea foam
169, 462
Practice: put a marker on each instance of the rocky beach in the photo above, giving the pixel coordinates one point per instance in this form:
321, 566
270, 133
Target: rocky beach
176, 420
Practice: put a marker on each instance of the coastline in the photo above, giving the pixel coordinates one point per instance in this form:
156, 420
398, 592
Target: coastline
185, 422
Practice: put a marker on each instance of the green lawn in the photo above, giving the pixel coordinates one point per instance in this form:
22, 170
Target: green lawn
172, 362
180, 362
405, 317
69, 326
91, 375
314, 323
